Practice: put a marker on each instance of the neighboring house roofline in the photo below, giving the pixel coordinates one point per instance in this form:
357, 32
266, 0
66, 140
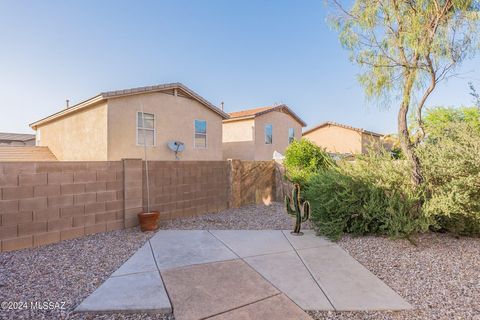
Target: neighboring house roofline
255, 112
6, 136
133, 91
331, 123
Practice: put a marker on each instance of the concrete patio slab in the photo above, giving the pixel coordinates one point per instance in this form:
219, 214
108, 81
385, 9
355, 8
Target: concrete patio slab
178, 248
140, 292
348, 284
235, 274
141, 261
247, 243
276, 307
203, 291
288, 273
309, 239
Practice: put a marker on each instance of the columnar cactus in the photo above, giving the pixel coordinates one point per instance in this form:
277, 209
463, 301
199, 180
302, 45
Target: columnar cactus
301, 211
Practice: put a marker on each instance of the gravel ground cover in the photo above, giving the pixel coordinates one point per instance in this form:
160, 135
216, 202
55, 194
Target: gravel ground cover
440, 276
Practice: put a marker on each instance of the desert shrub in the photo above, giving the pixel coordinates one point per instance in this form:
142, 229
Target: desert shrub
372, 195
451, 168
304, 158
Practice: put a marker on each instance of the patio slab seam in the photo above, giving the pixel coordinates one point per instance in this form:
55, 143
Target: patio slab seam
160, 274
310, 272
261, 275
242, 306
128, 274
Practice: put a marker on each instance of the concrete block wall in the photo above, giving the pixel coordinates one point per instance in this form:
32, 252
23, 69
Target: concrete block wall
46, 202
187, 188
133, 189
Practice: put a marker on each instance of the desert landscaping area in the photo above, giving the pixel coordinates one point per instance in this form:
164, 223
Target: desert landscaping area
71, 270
240, 160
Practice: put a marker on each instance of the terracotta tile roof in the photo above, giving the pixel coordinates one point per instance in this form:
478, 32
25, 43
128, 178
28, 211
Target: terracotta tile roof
4, 136
331, 123
169, 87
255, 112
249, 112
26, 154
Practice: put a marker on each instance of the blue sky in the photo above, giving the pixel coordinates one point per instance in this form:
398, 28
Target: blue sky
245, 53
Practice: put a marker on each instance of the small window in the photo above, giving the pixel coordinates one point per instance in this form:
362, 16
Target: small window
268, 134
145, 129
200, 134
291, 135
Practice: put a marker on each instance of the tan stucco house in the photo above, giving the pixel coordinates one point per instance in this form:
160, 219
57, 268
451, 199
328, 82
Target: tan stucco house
342, 139
255, 134
110, 126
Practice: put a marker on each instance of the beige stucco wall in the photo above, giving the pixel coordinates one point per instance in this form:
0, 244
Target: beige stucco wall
79, 136
238, 140
280, 122
336, 139
174, 120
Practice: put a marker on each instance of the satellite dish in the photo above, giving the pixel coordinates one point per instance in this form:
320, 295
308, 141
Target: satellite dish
176, 146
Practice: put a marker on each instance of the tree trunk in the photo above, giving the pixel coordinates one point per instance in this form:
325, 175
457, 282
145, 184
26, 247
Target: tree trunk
404, 134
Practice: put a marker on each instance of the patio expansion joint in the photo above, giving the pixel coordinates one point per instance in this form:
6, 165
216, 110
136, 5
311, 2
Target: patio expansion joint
242, 306
310, 272
160, 274
129, 274
263, 277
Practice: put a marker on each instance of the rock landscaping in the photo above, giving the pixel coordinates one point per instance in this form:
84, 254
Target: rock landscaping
438, 276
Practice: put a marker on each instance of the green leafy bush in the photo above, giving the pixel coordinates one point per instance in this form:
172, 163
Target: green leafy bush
438, 119
303, 158
372, 195
451, 165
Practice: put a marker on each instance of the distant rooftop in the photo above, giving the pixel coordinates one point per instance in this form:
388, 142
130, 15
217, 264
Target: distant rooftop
255, 112
9, 154
331, 123
5, 136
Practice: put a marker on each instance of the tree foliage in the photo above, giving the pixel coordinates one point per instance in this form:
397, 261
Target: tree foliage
405, 48
474, 94
303, 158
438, 120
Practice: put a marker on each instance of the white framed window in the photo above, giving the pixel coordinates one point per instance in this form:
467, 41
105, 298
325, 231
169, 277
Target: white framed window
145, 129
200, 138
268, 134
291, 135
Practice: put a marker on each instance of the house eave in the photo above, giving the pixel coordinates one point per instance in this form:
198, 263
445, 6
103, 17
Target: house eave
67, 111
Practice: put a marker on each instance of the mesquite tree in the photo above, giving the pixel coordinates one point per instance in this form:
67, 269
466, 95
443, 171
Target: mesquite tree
405, 48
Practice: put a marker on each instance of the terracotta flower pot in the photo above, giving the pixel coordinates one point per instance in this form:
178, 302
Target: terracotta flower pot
148, 220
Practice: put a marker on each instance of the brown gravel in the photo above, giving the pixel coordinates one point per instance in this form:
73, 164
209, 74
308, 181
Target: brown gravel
440, 276
254, 217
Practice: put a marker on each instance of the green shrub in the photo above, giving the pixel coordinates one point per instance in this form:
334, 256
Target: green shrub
372, 195
438, 119
303, 158
451, 166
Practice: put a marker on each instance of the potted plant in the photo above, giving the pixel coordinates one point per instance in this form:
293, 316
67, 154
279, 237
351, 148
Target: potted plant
148, 220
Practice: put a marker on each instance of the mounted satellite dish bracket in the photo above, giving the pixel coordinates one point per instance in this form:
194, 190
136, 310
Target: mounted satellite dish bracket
176, 146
